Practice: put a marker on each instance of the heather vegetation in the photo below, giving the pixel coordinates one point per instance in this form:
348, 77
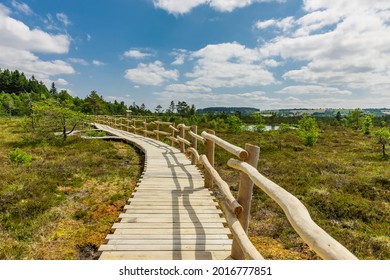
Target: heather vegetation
58, 199
343, 179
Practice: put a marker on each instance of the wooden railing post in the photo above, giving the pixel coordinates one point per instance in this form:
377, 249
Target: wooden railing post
145, 128
182, 135
194, 143
244, 198
158, 134
210, 150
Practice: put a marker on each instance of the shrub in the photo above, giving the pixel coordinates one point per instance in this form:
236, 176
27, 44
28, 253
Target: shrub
19, 157
382, 135
234, 124
367, 124
308, 130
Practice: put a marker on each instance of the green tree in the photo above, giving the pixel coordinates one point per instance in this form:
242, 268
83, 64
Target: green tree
158, 109
182, 108
93, 104
52, 116
234, 124
53, 90
259, 123
355, 118
382, 136
367, 124
8, 103
308, 130
171, 108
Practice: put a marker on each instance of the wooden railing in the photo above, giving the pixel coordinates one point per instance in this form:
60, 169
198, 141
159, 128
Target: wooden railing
236, 210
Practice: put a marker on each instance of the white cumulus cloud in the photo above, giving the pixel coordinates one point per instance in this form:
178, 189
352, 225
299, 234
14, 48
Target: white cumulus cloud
63, 18
19, 45
98, 62
22, 7
134, 53
228, 65
338, 44
185, 6
153, 74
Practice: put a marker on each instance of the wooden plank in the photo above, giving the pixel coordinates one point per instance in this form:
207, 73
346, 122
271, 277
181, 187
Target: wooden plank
162, 225
165, 255
154, 192
172, 215
125, 219
175, 212
171, 231
180, 198
173, 247
170, 207
165, 237
173, 203
170, 242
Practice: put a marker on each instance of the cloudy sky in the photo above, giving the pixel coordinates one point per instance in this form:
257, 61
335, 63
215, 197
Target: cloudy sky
268, 54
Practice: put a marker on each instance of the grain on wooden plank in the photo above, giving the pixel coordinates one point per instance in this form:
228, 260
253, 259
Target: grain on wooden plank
165, 237
157, 225
173, 247
170, 242
159, 255
171, 231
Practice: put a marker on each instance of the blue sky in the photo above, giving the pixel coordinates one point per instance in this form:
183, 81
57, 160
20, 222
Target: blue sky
268, 54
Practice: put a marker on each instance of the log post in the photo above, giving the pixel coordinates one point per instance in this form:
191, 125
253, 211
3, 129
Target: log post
173, 135
158, 134
210, 150
181, 134
244, 198
194, 143
145, 128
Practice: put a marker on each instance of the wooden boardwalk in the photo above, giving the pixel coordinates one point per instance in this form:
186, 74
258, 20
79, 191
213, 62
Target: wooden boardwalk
171, 215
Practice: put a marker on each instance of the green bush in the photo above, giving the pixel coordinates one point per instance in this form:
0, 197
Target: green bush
308, 130
19, 157
234, 124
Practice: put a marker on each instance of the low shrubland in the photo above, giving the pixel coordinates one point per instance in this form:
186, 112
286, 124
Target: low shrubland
58, 199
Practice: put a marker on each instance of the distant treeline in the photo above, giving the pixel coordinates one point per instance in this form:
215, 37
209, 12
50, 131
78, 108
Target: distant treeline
18, 93
327, 112
243, 111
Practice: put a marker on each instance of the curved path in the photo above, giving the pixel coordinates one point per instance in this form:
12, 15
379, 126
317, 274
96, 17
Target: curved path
171, 215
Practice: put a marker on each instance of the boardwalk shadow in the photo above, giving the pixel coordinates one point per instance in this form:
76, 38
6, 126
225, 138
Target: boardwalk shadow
200, 244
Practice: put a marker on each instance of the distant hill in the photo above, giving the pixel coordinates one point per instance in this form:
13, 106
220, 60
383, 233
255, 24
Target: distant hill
326, 112
228, 110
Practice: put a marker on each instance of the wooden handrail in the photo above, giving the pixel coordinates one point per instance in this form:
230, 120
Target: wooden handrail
319, 240
237, 151
173, 128
162, 132
198, 137
195, 153
233, 205
173, 139
185, 127
240, 235
182, 140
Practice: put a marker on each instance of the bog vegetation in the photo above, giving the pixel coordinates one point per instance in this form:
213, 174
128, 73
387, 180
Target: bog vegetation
59, 195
